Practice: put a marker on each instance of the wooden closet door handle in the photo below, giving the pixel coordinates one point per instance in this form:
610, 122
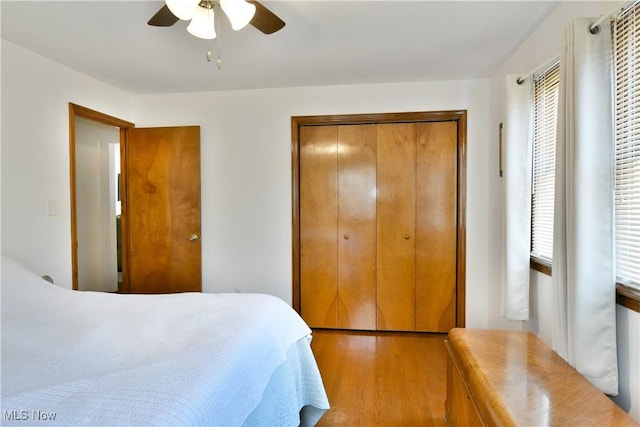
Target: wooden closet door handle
407, 236
346, 236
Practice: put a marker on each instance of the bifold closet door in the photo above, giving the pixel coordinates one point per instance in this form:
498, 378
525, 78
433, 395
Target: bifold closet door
396, 237
378, 226
337, 226
436, 225
417, 226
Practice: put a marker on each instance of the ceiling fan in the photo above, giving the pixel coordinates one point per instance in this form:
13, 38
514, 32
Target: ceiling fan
202, 12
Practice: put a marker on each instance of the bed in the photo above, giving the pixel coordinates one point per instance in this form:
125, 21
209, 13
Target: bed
90, 358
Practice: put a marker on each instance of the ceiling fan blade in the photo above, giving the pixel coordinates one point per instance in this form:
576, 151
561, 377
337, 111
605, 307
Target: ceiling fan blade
265, 20
163, 18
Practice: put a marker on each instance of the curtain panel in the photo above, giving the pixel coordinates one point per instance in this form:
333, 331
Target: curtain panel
583, 307
517, 153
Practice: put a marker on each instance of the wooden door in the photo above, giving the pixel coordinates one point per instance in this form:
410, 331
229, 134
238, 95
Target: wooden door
436, 226
396, 237
161, 213
357, 227
318, 225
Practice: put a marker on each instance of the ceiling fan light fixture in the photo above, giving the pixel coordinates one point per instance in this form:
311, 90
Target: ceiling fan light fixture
203, 24
183, 9
239, 12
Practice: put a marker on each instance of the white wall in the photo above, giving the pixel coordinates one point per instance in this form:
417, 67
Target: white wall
35, 155
541, 46
246, 172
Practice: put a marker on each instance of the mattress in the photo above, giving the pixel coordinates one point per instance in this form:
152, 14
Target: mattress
90, 358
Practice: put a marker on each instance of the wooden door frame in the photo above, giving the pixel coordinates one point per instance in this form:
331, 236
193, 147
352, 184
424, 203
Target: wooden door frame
87, 113
458, 116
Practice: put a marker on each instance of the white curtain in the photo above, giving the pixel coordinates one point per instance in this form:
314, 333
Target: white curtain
584, 317
517, 152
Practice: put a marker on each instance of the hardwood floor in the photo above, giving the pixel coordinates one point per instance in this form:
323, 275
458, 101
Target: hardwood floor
382, 378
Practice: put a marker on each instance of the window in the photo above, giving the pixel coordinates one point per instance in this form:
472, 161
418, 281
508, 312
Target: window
626, 49
545, 120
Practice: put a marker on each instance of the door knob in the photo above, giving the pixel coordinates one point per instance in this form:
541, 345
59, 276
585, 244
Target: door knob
407, 236
194, 237
346, 237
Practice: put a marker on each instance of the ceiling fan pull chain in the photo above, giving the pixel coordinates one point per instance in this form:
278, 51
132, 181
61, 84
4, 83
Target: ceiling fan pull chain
218, 44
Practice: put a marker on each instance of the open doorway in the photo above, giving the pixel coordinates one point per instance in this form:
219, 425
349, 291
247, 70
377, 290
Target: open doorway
97, 205
95, 147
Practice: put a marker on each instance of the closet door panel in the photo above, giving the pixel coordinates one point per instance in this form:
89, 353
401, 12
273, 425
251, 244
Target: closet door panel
357, 227
436, 229
396, 207
318, 225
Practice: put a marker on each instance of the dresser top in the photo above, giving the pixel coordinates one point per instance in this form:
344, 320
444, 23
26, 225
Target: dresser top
518, 380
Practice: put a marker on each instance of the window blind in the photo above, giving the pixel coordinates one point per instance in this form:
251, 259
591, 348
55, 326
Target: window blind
626, 41
545, 119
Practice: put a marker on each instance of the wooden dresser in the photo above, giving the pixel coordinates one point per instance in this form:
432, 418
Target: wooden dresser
502, 378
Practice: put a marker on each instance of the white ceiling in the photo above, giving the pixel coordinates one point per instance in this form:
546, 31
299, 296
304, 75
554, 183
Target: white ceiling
323, 43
